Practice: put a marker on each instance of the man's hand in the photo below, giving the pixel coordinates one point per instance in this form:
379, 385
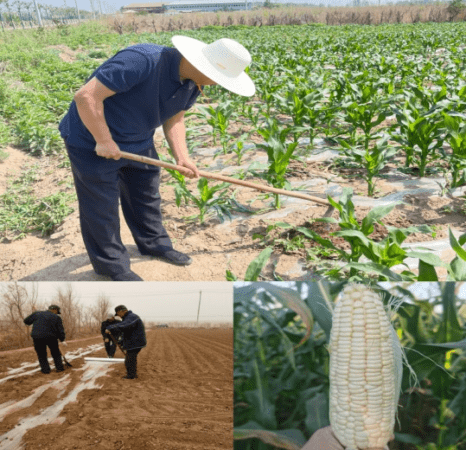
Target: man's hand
108, 331
107, 340
64, 343
108, 149
192, 171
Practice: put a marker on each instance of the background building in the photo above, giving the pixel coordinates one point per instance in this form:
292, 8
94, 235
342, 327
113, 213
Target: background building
208, 6
150, 7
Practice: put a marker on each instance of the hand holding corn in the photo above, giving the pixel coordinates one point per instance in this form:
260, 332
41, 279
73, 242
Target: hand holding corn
365, 371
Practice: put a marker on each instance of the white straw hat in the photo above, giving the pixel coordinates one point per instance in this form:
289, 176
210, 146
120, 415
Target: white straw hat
223, 61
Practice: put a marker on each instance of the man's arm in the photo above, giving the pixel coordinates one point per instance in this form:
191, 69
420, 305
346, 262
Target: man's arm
60, 330
175, 133
90, 103
126, 324
29, 319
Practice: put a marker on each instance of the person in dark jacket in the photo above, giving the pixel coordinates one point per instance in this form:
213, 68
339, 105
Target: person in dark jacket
134, 337
110, 346
47, 330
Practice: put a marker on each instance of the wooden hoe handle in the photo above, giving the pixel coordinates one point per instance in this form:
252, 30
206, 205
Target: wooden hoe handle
204, 174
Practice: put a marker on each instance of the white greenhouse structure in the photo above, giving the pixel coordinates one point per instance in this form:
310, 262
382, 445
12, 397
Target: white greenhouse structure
208, 6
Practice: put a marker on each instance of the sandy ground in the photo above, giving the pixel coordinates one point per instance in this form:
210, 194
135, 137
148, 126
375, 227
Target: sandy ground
181, 400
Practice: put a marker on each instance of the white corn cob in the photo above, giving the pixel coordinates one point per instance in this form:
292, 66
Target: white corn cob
365, 370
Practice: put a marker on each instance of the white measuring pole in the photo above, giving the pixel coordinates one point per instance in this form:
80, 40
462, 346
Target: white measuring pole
105, 360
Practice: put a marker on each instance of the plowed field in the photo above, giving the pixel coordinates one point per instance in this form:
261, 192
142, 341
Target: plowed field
182, 399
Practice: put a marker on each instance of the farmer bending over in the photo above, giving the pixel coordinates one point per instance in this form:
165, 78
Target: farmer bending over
134, 338
47, 329
122, 103
110, 346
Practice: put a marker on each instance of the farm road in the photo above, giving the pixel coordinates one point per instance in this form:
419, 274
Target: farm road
182, 398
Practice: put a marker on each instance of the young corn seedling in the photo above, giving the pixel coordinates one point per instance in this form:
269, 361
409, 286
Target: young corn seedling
219, 119
292, 105
373, 159
382, 255
456, 137
420, 131
181, 190
279, 154
238, 149
364, 109
366, 369
205, 199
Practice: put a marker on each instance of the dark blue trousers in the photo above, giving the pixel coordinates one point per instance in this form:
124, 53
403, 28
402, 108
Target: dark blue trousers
110, 348
40, 346
100, 185
131, 362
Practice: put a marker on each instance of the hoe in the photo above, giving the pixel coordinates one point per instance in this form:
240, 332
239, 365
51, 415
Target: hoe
204, 174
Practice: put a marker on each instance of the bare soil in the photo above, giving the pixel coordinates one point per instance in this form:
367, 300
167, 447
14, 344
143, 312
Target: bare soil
182, 398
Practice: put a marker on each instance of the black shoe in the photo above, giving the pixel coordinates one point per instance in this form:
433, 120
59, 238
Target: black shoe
45, 373
60, 370
127, 276
170, 255
126, 377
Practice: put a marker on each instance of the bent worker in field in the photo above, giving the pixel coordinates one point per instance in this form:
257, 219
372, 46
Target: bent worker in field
47, 330
134, 337
110, 346
118, 109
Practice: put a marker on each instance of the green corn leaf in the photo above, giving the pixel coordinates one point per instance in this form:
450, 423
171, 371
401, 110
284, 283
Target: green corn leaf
459, 250
255, 267
374, 215
380, 269
292, 299
426, 272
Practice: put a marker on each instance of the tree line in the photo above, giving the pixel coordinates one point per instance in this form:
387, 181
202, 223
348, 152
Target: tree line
19, 301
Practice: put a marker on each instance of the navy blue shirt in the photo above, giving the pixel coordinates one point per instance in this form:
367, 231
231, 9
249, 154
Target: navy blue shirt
148, 90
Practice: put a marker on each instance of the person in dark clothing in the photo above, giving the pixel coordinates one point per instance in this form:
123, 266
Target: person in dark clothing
47, 330
139, 89
134, 337
110, 346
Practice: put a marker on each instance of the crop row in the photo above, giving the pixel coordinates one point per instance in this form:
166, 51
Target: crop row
378, 94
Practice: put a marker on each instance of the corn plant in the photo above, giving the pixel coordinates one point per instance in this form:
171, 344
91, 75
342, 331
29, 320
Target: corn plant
456, 136
382, 254
181, 189
420, 133
238, 149
372, 159
305, 106
219, 119
363, 107
279, 153
205, 199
